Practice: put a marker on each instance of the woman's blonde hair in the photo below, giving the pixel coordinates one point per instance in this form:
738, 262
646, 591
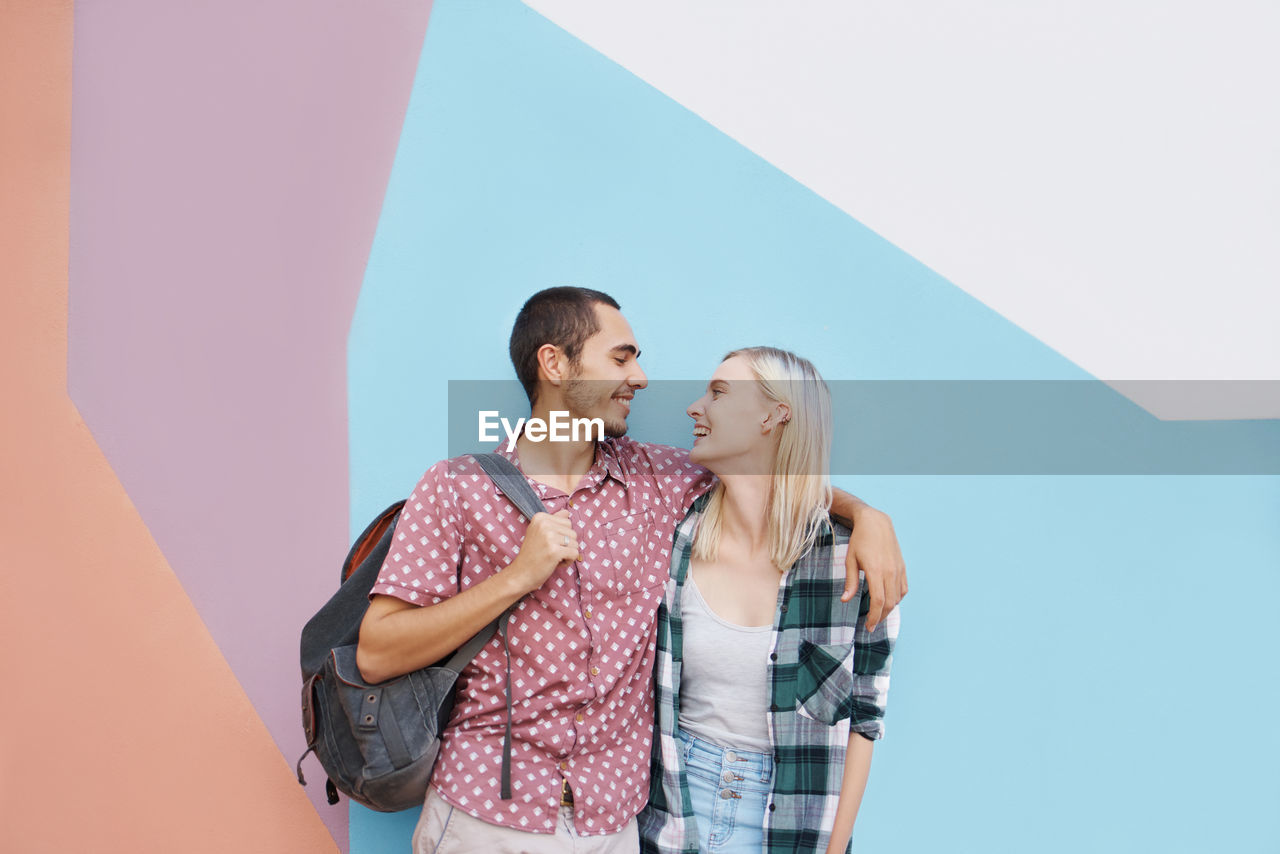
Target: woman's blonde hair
800, 492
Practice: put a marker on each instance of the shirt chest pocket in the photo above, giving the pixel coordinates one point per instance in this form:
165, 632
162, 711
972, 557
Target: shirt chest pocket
628, 559
824, 681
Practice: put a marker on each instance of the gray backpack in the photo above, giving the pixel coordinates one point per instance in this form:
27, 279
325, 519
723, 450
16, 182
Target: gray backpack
378, 743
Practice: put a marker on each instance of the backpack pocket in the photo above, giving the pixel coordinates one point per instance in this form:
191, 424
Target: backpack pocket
379, 742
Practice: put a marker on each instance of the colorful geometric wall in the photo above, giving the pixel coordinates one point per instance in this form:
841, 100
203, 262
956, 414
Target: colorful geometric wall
244, 248
124, 726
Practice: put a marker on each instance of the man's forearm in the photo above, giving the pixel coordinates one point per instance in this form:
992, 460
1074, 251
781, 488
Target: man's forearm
398, 637
844, 507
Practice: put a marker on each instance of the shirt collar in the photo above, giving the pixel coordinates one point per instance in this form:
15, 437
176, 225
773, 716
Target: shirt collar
606, 462
607, 452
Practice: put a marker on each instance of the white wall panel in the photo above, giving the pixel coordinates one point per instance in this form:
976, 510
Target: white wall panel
1103, 174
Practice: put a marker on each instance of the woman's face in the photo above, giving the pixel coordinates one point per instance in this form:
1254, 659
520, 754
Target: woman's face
735, 424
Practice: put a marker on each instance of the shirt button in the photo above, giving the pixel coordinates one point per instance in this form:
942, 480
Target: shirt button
579, 718
773, 656
783, 609
595, 671
587, 613
772, 807
564, 766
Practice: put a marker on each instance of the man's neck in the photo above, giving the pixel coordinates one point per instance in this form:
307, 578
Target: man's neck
557, 464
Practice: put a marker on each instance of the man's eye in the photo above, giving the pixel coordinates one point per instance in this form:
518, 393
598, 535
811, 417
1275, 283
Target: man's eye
620, 361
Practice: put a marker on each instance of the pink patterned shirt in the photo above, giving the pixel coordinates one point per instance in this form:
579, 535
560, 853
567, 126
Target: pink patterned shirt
582, 645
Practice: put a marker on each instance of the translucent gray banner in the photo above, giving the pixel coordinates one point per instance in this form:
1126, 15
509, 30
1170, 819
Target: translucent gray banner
1051, 427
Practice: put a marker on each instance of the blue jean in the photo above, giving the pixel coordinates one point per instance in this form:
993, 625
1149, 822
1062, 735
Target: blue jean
729, 790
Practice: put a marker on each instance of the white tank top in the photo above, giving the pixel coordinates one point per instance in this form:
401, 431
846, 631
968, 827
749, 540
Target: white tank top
724, 690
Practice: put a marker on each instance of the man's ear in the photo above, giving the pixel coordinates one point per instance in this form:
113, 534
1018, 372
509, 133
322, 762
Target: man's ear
552, 364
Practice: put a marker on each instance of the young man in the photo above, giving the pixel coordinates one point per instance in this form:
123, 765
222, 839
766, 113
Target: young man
588, 577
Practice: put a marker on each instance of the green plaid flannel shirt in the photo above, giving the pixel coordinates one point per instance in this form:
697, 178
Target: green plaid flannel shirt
828, 676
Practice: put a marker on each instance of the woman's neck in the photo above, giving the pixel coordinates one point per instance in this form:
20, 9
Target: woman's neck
744, 512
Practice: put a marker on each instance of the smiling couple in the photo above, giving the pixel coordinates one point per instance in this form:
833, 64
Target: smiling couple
726, 577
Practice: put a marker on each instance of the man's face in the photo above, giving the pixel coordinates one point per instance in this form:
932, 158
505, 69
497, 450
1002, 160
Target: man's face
607, 374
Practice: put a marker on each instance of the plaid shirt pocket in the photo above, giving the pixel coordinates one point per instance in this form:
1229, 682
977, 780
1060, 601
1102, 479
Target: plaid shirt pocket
824, 681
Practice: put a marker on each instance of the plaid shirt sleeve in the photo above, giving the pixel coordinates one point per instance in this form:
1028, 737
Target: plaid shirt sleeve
868, 665
831, 678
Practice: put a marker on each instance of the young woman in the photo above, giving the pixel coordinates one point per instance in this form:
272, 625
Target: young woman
770, 691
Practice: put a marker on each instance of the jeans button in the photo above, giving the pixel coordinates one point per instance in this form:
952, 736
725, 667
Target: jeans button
731, 756
728, 776
726, 794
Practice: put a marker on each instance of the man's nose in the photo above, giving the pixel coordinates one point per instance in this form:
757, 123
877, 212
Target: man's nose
638, 378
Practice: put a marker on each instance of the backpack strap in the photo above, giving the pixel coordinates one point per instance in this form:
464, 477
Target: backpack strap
511, 482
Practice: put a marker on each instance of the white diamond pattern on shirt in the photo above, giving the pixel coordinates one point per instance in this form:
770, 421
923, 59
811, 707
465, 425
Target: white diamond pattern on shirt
581, 645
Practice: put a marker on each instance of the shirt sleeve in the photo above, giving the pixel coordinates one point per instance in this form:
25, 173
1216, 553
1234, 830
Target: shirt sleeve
678, 481
426, 547
870, 661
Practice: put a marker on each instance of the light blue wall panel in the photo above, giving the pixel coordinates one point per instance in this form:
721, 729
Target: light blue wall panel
1085, 662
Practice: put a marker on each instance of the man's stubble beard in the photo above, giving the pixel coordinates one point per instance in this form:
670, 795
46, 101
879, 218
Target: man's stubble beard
582, 396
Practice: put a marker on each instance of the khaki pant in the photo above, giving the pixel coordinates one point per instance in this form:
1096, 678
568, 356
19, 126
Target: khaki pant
445, 829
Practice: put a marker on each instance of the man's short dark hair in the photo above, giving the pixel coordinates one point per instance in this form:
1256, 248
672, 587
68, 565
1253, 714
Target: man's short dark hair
563, 316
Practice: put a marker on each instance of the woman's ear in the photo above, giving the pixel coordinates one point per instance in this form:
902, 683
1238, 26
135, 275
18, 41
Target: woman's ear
779, 415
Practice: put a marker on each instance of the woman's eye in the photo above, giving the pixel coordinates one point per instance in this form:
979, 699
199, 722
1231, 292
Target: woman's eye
715, 392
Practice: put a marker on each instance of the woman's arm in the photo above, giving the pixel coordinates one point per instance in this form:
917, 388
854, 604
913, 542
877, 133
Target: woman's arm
857, 764
868, 666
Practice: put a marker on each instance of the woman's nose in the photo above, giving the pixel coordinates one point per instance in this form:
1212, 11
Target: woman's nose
695, 409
